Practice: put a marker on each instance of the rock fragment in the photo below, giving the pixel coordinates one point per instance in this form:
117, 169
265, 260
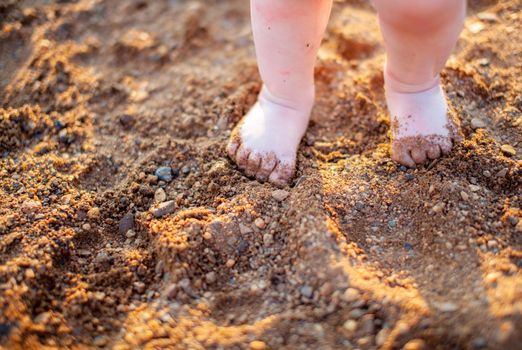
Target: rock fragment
280, 195
163, 209
164, 173
126, 223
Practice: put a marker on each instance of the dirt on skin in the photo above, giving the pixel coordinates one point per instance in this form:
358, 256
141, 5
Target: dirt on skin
358, 252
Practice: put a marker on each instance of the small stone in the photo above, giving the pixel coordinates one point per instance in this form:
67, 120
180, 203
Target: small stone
29, 274
280, 195
171, 291
464, 196
126, 223
100, 341
508, 150
326, 289
102, 257
446, 306
306, 291
351, 295
268, 239
83, 252
415, 344
244, 229
518, 227
99, 296
93, 213
30, 206
160, 196
211, 277
382, 336
502, 173
164, 208
130, 234
488, 16
474, 188
164, 173
260, 223
86, 227
257, 345
392, 224
139, 287
492, 244
476, 123
439, 207
350, 325
207, 236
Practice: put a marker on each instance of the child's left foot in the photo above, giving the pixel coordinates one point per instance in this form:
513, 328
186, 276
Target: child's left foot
422, 129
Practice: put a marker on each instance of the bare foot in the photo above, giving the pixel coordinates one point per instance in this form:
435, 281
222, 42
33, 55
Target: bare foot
264, 144
422, 128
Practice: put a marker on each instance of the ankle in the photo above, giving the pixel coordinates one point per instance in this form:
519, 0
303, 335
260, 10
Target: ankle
302, 100
393, 83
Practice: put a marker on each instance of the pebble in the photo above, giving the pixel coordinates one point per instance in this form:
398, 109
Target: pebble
464, 196
280, 195
130, 234
244, 229
492, 244
518, 227
350, 295
260, 223
257, 345
164, 208
139, 286
164, 173
446, 307
93, 213
83, 252
392, 223
31, 206
268, 239
100, 341
488, 16
350, 325
326, 289
102, 257
437, 208
476, 123
502, 173
126, 223
230, 263
160, 196
508, 150
29, 273
211, 277
171, 291
415, 344
207, 236
306, 291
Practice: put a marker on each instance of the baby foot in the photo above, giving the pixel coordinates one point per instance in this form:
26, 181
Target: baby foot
264, 144
422, 128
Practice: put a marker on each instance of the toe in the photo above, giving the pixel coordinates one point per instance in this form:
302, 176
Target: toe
418, 154
242, 157
232, 147
401, 154
268, 163
253, 163
282, 173
433, 151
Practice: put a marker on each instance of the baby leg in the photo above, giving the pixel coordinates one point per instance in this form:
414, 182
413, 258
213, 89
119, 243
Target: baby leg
287, 35
419, 37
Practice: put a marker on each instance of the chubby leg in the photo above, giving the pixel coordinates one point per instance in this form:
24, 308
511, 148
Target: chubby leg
287, 35
419, 37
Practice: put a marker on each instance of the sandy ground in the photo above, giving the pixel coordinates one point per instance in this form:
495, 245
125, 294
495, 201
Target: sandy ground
96, 95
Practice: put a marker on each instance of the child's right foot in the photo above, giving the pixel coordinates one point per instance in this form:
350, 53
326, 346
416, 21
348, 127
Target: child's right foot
422, 128
264, 144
